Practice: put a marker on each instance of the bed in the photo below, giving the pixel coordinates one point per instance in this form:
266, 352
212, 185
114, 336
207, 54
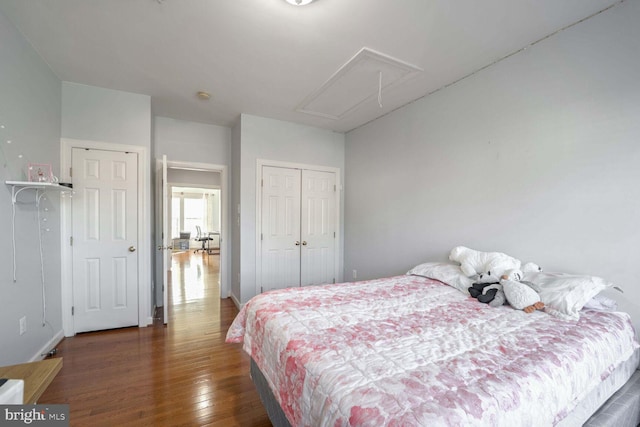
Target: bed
415, 351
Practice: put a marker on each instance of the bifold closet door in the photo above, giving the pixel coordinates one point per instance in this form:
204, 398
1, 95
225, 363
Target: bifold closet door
298, 220
280, 228
318, 225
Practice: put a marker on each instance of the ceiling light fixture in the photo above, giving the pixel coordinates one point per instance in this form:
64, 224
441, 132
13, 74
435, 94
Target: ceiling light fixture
299, 2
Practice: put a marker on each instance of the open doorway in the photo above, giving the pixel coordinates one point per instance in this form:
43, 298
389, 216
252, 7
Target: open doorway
196, 201
194, 214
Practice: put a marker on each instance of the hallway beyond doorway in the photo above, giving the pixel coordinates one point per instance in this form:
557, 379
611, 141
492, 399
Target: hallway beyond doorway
179, 374
194, 279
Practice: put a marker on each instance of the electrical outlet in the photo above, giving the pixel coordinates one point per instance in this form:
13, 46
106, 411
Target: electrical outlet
355, 274
23, 325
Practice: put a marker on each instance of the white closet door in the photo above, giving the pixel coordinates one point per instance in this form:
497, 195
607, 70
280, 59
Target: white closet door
318, 222
280, 228
105, 234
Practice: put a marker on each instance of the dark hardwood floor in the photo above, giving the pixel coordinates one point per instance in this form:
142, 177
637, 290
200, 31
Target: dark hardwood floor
179, 375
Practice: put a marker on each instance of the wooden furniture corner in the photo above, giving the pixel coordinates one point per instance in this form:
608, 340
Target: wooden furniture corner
36, 375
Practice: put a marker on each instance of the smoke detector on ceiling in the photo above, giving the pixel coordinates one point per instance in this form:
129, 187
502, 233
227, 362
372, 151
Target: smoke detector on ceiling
205, 96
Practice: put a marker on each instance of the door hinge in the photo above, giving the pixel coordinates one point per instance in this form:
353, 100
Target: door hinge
73, 311
334, 188
70, 172
261, 289
262, 183
334, 234
334, 280
261, 236
71, 241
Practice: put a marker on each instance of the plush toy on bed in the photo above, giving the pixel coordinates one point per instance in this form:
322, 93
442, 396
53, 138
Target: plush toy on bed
520, 295
494, 294
489, 266
488, 293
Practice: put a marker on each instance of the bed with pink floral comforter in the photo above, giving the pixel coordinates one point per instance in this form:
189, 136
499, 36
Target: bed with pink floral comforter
411, 351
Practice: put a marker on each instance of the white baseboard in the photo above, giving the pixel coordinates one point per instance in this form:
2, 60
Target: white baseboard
50, 345
236, 301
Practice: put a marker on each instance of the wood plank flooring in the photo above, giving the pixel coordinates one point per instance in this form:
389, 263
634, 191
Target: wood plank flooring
179, 375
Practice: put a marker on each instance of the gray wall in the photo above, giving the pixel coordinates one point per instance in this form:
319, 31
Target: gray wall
105, 115
184, 141
30, 114
536, 156
236, 233
193, 178
262, 138
192, 142
115, 117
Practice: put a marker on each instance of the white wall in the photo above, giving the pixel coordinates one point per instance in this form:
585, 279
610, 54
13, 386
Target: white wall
262, 138
536, 156
30, 119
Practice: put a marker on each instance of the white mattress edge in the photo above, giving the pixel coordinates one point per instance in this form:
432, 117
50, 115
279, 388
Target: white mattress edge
597, 397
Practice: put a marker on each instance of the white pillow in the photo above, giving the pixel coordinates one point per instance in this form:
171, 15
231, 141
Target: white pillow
601, 303
564, 295
447, 273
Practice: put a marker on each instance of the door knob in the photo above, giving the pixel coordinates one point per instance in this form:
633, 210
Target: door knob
159, 248
304, 243
132, 248
297, 243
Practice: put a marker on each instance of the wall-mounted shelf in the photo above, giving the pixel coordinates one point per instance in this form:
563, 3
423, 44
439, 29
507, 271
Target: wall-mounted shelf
18, 186
41, 189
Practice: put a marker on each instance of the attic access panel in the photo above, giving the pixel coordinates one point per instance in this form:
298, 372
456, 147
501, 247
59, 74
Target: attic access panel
356, 83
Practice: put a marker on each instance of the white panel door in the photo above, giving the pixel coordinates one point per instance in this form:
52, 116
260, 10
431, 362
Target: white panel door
163, 238
318, 226
105, 258
167, 248
298, 222
280, 228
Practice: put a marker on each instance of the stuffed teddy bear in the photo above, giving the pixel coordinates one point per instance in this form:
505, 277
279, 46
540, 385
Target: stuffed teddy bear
489, 266
530, 267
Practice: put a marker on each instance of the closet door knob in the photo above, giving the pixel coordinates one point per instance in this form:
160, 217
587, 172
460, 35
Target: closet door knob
132, 248
304, 243
297, 243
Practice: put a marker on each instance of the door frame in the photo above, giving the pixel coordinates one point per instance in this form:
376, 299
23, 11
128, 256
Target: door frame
275, 163
144, 231
225, 250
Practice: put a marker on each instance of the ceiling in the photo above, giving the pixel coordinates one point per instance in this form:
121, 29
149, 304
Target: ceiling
266, 57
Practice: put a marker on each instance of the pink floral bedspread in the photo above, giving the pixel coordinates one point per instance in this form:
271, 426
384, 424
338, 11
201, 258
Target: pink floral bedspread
410, 351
